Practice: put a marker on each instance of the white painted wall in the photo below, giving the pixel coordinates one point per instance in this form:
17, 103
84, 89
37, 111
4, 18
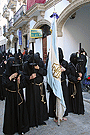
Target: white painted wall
58, 8
38, 47
77, 31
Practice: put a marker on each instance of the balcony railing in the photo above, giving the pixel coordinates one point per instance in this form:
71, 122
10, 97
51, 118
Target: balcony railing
11, 22
20, 13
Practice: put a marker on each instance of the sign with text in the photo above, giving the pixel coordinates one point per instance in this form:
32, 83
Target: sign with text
36, 33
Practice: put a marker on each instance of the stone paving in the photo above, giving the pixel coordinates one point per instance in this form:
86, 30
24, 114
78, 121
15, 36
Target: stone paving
86, 96
75, 125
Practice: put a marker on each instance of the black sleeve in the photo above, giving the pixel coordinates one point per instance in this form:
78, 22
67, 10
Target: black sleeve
25, 72
22, 81
7, 83
72, 75
42, 70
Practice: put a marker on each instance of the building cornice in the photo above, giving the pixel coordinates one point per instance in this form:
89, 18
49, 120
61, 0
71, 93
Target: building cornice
41, 7
23, 20
11, 30
33, 12
50, 3
35, 8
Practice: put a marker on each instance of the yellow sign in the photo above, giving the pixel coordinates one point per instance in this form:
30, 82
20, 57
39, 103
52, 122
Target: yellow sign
36, 33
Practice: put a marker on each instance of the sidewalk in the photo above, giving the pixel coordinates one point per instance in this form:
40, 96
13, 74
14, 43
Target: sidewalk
86, 96
75, 125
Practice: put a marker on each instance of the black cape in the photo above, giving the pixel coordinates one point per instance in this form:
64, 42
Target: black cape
15, 116
37, 109
75, 91
64, 63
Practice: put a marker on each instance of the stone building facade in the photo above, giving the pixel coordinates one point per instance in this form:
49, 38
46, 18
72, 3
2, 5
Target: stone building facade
38, 17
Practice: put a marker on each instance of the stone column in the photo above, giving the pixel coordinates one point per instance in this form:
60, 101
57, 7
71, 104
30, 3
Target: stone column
8, 44
15, 38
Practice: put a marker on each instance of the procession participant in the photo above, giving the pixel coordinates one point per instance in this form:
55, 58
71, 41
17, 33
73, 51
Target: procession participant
25, 56
83, 56
41, 63
64, 63
15, 116
19, 59
4, 55
52, 98
24, 49
35, 92
9, 54
74, 86
84, 60
83, 64
19, 53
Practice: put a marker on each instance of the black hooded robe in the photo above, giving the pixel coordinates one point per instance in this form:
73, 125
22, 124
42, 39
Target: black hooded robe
75, 92
15, 116
37, 109
64, 63
52, 97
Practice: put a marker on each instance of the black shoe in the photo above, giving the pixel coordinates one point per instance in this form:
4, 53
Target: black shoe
43, 124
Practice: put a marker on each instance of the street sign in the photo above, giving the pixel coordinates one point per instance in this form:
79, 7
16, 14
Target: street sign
36, 33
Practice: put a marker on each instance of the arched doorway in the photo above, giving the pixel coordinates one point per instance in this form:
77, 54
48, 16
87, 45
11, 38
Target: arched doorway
67, 12
45, 26
73, 26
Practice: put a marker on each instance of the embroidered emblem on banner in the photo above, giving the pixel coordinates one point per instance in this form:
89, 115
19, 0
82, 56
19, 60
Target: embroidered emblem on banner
56, 70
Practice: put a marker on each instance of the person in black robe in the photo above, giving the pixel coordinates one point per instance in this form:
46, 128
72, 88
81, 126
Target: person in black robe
74, 86
41, 63
83, 64
35, 92
52, 97
2, 69
29, 54
9, 54
15, 116
4, 55
25, 56
64, 64
19, 59
84, 60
